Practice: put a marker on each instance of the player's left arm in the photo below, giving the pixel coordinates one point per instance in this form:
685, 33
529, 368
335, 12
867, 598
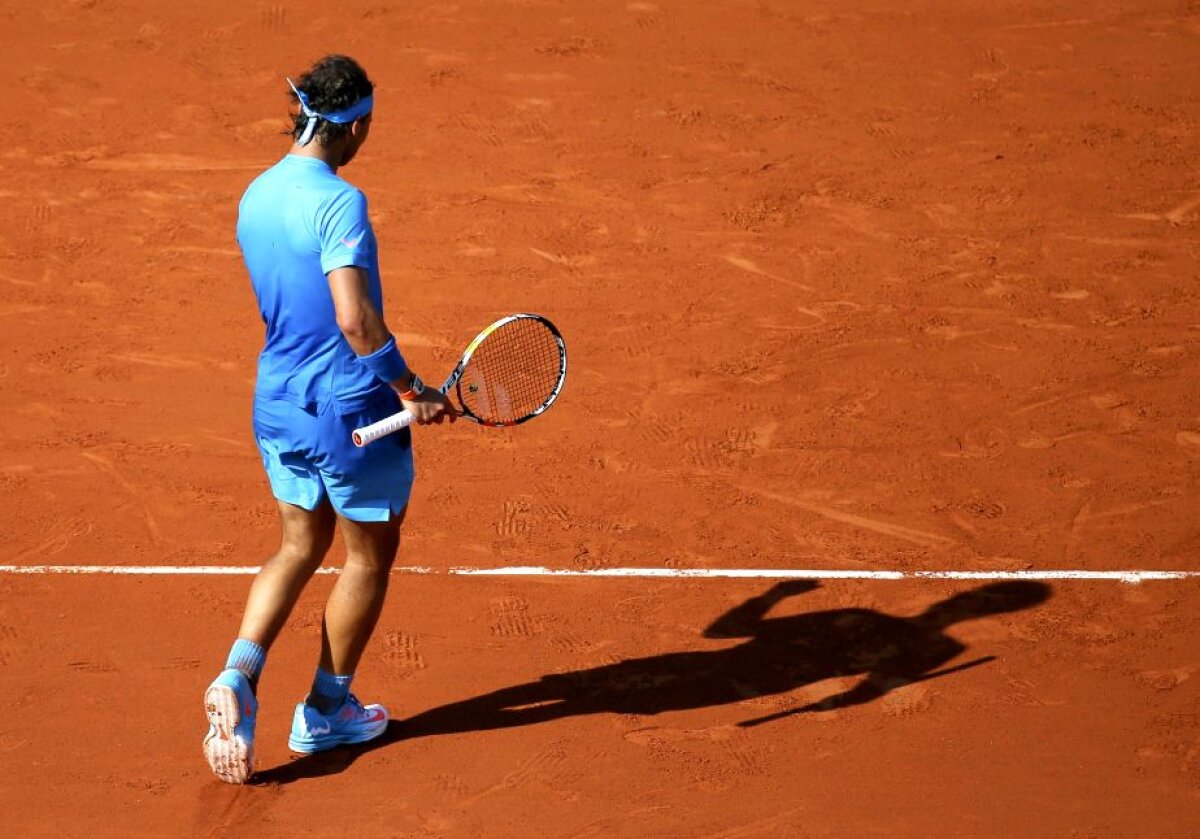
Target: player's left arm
367, 334
357, 317
874, 686
911, 663
347, 254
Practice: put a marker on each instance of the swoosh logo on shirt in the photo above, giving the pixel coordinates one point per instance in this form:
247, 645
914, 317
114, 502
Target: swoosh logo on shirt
353, 243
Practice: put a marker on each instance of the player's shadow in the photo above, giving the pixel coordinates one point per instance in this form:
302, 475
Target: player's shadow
780, 655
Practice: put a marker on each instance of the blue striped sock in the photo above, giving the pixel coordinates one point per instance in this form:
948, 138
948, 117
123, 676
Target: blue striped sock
248, 657
328, 691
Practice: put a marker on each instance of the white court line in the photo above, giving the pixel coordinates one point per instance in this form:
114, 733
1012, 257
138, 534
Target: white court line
1128, 576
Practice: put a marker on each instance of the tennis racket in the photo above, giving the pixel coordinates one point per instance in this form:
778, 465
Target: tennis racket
509, 374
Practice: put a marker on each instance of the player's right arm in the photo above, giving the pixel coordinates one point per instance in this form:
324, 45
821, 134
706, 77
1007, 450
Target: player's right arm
745, 619
366, 332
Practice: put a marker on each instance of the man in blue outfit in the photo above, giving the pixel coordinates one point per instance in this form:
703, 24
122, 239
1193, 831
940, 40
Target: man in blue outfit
329, 365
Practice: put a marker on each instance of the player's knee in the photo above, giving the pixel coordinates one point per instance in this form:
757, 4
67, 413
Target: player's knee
377, 561
303, 552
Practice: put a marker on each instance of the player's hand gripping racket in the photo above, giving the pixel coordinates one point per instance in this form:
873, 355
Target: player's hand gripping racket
509, 374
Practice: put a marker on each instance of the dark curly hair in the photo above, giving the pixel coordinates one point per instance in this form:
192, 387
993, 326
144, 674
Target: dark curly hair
333, 83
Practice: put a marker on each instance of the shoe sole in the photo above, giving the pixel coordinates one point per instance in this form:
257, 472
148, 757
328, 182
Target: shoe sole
229, 756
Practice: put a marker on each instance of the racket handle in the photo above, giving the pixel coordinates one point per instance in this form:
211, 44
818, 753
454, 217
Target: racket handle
388, 425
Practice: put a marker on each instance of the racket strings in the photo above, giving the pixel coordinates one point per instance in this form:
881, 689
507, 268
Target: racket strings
513, 372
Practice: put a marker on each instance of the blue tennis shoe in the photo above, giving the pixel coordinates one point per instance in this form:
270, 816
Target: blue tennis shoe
353, 722
232, 711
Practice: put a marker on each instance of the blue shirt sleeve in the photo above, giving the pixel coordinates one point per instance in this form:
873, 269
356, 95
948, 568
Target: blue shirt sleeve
345, 232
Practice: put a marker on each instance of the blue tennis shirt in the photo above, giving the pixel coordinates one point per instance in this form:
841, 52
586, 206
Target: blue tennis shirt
297, 222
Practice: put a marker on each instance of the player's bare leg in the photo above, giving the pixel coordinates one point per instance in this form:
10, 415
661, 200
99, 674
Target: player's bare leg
331, 715
357, 597
230, 702
307, 535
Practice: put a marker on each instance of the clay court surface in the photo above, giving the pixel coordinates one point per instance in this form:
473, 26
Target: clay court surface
846, 286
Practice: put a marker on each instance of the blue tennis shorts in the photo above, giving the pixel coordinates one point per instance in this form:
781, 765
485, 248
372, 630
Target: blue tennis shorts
310, 456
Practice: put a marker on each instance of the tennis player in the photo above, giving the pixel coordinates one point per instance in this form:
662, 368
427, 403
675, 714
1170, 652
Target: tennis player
329, 365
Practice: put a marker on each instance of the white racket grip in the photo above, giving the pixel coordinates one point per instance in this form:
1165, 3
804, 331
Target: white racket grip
388, 425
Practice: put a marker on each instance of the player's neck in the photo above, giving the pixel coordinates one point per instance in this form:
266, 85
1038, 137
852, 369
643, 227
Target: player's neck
332, 155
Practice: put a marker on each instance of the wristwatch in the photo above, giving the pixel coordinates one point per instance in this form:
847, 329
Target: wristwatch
415, 388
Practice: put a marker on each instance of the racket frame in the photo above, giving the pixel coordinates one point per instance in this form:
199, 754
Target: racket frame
454, 380
368, 434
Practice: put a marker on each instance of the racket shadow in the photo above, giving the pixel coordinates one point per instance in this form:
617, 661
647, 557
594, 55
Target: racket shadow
777, 656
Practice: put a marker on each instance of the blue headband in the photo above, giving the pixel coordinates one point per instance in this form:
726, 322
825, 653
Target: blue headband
356, 111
